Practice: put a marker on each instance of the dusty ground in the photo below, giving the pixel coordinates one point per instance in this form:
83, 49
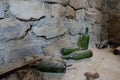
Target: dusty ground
103, 62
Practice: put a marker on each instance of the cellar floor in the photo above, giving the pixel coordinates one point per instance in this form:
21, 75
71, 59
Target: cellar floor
103, 62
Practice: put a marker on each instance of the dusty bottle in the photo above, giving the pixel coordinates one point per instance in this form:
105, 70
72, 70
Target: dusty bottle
81, 54
85, 40
67, 51
50, 66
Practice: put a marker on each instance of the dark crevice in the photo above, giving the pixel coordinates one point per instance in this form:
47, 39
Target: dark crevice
56, 3
31, 19
51, 37
74, 8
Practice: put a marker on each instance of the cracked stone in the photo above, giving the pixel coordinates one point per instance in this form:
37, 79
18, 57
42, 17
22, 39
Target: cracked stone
10, 30
63, 2
57, 10
54, 49
27, 10
70, 13
78, 4
50, 28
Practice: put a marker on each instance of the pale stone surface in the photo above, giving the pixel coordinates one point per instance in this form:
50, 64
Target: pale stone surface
2, 13
80, 14
77, 4
57, 10
50, 29
70, 13
63, 2
12, 30
54, 49
27, 10
76, 26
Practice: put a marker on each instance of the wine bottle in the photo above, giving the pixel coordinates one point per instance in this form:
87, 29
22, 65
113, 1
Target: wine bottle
85, 40
67, 51
81, 54
50, 66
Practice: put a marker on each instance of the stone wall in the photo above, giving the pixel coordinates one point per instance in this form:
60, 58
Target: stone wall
114, 21
43, 27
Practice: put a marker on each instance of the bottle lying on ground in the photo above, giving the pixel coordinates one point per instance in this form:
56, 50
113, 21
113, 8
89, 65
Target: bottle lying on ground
81, 54
67, 51
50, 66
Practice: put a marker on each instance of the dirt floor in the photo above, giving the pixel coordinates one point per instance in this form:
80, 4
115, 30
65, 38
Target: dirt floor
103, 62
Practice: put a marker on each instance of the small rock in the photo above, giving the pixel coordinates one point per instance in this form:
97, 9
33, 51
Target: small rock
70, 13
78, 4
27, 10
50, 28
116, 51
91, 76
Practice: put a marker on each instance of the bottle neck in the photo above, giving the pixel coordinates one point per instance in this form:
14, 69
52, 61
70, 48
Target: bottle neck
86, 31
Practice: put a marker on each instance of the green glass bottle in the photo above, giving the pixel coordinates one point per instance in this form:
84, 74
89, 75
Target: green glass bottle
81, 54
67, 51
50, 66
85, 40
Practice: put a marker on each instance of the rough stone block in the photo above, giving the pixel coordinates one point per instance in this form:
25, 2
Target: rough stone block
10, 30
57, 10
27, 10
50, 28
